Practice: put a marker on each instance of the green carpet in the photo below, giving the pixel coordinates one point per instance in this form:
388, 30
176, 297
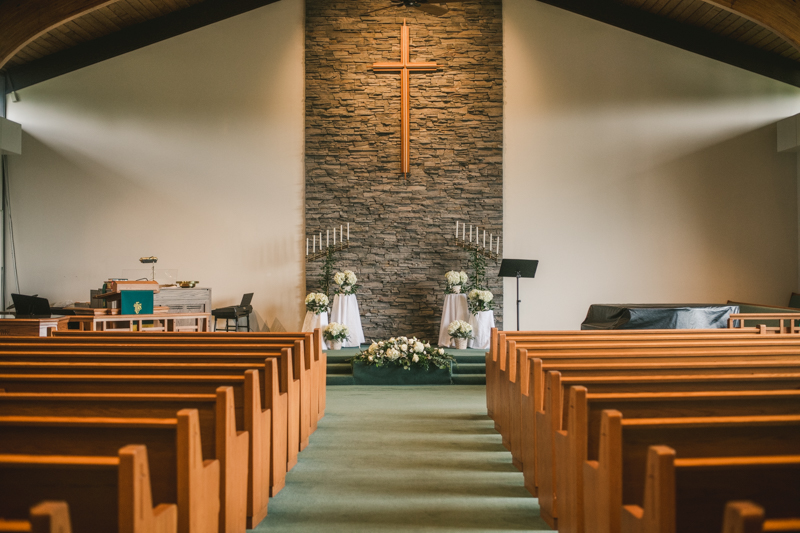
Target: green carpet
404, 459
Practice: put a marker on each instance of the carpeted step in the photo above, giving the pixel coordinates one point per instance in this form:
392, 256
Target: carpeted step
474, 359
339, 379
340, 368
469, 368
338, 358
469, 379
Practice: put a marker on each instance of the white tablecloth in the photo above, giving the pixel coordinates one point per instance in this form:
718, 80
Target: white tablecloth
345, 311
482, 325
313, 321
455, 308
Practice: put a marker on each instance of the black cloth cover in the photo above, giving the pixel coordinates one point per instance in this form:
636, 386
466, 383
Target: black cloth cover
658, 316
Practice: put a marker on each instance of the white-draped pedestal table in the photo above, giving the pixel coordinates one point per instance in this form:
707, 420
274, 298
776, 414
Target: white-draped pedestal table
345, 311
455, 308
313, 321
482, 325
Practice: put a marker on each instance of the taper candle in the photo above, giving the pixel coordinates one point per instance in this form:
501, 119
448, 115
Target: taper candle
456, 229
306, 245
498, 245
463, 232
484, 238
470, 233
320, 241
327, 238
348, 231
341, 233
490, 242
334, 236
314, 250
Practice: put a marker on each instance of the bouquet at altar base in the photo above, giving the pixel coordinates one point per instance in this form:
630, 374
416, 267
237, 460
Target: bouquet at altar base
405, 352
317, 303
458, 329
455, 280
346, 281
336, 332
480, 300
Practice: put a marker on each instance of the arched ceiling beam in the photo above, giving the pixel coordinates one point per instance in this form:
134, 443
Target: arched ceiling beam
780, 16
25, 20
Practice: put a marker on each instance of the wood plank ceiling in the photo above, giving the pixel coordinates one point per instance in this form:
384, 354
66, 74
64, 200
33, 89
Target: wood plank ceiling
769, 27
98, 23
704, 15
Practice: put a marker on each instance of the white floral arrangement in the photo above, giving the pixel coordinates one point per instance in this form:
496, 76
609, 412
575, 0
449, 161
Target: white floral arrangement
480, 300
458, 329
405, 352
346, 281
336, 332
455, 280
316, 302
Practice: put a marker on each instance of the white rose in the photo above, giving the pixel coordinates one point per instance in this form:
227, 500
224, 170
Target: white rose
418, 347
392, 340
404, 347
415, 358
441, 351
373, 347
427, 345
463, 276
369, 358
339, 278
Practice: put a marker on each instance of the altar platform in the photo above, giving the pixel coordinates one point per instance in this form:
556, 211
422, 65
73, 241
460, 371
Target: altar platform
470, 370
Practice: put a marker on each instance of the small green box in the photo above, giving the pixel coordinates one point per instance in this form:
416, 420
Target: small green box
136, 302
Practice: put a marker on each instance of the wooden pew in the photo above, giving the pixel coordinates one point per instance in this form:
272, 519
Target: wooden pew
621, 467
174, 447
103, 493
496, 357
303, 394
518, 399
688, 494
232, 446
509, 366
144, 353
580, 441
46, 517
551, 421
312, 343
749, 517
262, 408
522, 434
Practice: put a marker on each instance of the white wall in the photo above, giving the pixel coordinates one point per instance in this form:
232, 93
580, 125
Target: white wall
190, 150
639, 173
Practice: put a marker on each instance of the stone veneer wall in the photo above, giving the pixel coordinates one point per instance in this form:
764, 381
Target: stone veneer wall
402, 231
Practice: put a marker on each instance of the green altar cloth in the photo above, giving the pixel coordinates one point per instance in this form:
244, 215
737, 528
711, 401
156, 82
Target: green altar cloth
396, 375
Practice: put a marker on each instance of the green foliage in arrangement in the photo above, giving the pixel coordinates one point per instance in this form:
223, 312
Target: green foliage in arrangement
405, 352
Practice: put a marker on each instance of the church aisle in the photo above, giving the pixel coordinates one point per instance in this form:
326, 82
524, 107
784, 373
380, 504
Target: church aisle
423, 458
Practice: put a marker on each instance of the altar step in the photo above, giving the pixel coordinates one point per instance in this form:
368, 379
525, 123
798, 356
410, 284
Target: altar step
469, 370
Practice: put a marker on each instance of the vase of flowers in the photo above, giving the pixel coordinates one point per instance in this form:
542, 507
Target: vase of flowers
460, 331
455, 280
335, 334
346, 281
480, 300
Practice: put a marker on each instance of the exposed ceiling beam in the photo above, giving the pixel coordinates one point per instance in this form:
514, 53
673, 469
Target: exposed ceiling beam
127, 40
25, 20
686, 37
780, 16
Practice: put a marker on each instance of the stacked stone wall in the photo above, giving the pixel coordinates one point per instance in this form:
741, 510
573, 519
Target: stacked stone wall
402, 231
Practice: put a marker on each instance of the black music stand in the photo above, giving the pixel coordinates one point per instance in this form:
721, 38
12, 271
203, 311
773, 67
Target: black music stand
518, 268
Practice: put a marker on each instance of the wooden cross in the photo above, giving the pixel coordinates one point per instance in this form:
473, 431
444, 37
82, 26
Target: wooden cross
404, 67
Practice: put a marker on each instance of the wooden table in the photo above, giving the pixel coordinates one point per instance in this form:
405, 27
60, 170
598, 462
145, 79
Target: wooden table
161, 322
31, 327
